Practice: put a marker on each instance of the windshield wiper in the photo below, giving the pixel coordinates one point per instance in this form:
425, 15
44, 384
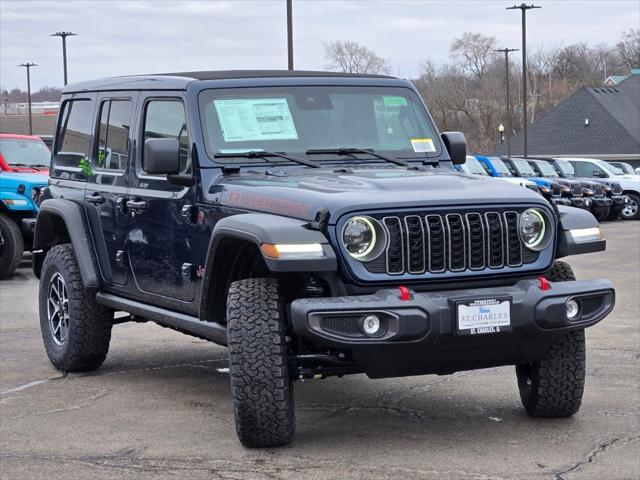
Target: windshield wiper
264, 154
352, 150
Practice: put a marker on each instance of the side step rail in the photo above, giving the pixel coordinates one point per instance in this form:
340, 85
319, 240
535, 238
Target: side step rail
212, 331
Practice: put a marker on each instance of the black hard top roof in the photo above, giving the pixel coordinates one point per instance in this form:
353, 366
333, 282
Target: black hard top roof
179, 80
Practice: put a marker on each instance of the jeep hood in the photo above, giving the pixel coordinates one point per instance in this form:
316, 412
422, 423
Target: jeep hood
301, 193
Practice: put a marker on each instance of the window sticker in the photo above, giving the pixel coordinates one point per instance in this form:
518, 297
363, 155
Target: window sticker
254, 119
395, 101
423, 145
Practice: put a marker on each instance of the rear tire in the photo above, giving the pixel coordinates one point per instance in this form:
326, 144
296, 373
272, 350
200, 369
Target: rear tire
553, 387
76, 330
11, 246
260, 385
631, 210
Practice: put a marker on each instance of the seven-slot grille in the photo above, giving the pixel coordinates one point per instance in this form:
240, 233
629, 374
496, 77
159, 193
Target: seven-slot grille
598, 190
556, 190
617, 189
451, 242
576, 189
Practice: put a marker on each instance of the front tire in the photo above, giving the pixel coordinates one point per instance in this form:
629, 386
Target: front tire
76, 330
631, 210
553, 387
260, 385
11, 246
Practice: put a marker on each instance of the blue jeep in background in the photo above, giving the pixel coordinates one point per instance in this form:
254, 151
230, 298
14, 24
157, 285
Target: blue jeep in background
19, 200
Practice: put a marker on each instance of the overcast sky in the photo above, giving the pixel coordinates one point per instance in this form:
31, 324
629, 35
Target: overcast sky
118, 37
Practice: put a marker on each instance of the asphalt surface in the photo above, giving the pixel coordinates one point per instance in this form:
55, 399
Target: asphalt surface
159, 407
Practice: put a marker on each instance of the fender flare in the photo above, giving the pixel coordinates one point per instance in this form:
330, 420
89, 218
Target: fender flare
60, 221
572, 219
259, 228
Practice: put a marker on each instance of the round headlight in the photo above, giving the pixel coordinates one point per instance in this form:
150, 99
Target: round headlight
533, 229
363, 238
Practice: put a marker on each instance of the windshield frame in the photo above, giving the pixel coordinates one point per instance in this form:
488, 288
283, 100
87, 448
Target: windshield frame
271, 84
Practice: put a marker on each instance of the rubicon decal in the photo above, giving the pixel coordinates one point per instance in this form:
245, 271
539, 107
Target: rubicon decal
269, 204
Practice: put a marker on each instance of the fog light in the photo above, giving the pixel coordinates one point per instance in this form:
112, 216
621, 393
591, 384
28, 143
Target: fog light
573, 309
371, 325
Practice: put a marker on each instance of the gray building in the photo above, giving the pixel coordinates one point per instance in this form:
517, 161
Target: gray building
597, 122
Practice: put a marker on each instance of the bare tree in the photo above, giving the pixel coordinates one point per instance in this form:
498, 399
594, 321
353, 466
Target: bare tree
628, 49
350, 57
473, 52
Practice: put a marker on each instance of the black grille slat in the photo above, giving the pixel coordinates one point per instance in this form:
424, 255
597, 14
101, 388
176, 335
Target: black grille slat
456, 233
395, 250
514, 246
576, 189
617, 189
598, 190
495, 240
436, 243
415, 244
475, 241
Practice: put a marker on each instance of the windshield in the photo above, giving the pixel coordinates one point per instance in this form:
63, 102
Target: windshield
294, 120
546, 169
500, 167
565, 167
474, 166
625, 167
23, 151
610, 168
523, 167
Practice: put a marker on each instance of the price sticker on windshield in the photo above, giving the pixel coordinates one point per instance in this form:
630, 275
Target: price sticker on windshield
421, 145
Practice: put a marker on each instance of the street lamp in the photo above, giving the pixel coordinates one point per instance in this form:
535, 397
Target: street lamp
28, 67
501, 132
506, 62
64, 36
289, 35
524, 7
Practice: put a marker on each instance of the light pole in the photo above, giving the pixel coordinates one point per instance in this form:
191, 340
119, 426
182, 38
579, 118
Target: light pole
524, 7
506, 61
289, 35
501, 133
28, 67
64, 36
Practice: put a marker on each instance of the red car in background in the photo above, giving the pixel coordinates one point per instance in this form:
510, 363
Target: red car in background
23, 153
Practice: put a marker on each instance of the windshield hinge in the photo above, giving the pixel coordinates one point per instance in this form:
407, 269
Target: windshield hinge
321, 220
230, 170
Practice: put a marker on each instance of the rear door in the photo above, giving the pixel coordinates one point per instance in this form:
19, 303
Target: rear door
107, 188
161, 232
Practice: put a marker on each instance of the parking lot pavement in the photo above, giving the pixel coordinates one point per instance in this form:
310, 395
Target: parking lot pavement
160, 408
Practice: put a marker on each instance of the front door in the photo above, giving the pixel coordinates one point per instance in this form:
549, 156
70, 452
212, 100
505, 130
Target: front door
160, 232
108, 184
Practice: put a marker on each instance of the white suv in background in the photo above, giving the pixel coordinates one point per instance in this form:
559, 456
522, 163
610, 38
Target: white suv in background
592, 167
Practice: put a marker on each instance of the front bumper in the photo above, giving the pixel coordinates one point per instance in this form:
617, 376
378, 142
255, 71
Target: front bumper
421, 333
581, 202
619, 202
561, 201
601, 202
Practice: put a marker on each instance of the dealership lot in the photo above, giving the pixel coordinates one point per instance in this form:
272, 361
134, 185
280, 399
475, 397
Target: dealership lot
162, 401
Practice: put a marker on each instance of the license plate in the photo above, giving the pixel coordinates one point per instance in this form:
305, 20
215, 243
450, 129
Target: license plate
482, 316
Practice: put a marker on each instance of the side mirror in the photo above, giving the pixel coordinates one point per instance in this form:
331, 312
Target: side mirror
456, 146
599, 174
161, 156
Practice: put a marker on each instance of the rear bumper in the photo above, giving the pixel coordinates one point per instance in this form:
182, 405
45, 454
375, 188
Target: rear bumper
421, 333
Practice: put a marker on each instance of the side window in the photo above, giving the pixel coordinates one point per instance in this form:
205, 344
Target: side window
167, 119
74, 141
113, 135
586, 169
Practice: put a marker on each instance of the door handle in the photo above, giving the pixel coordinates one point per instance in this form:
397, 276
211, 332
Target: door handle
94, 198
136, 205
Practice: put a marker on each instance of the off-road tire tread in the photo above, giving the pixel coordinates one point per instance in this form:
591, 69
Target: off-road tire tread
260, 383
12, 238
557, 381
90, 324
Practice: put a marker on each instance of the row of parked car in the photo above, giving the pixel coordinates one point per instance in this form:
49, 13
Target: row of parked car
609, 190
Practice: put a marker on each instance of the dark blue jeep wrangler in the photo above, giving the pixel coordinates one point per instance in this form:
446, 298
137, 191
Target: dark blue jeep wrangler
315, 225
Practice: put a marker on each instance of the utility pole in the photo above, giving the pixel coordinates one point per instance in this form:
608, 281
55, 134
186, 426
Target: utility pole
506, 62
28, 67
289, 35
64, 36
524, 7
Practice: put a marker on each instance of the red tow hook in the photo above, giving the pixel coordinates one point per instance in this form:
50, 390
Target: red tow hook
544, 284
405, 295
